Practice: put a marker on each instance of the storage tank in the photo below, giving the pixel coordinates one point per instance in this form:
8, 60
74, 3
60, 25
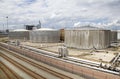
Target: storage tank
87, 38
118, 34
113, 36
19, 34
45, 35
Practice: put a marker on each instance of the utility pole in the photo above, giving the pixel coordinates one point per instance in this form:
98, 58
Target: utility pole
7, 23
3, 28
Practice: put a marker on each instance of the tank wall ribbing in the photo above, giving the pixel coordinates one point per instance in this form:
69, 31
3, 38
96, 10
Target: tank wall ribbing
113, 36
20, 35
87, 39
44, 36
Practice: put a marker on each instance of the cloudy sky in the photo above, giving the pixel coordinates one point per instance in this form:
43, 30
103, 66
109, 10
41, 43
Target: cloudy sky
60, 13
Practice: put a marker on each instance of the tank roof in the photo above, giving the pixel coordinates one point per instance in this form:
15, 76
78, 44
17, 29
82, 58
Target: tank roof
88, 28
114, 30
45, 29
20, 30
118, 30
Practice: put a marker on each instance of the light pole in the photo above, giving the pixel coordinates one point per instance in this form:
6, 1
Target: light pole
3, 28
7, 22
7, 31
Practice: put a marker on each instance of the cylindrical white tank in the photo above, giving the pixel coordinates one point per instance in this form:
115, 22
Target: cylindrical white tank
45, 35
87, 38
19, 34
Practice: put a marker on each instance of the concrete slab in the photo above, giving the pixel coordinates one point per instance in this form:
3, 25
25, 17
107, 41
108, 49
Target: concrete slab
106, 55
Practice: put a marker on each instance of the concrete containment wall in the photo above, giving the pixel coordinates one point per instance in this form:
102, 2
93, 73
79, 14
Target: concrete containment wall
87, 38
19, 35
45, 36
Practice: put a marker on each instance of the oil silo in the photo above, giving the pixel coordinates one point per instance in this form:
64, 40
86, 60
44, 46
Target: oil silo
113, 36
45, 35
19, 34
87, 38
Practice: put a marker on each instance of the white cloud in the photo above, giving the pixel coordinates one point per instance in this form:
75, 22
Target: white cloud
77, 24
114, 25
54, 12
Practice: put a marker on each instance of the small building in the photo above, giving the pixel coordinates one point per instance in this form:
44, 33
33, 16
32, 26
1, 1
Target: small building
87, 38
45, 35
29, 27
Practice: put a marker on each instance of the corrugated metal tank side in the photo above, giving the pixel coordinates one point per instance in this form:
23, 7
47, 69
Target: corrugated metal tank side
107, 38
19, 35
113, 36
44, 36
118, 34
87, 39
31, 36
